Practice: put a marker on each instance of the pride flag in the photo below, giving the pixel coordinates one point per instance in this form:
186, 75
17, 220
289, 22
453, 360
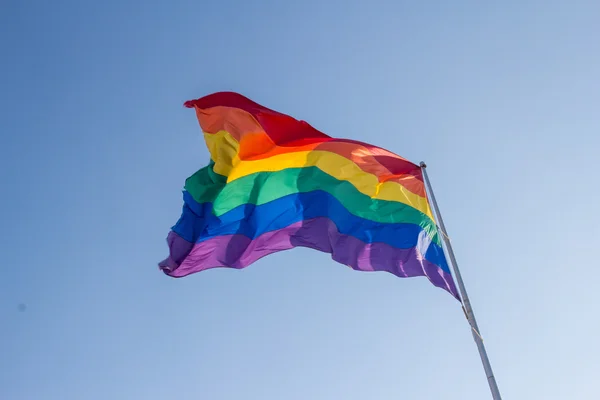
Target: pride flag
275, 183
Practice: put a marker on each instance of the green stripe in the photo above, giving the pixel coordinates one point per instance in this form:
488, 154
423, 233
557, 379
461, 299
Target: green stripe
206, 186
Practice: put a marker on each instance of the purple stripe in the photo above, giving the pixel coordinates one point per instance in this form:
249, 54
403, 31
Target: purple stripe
239, 251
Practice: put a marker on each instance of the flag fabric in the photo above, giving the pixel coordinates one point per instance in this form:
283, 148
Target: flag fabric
274, 183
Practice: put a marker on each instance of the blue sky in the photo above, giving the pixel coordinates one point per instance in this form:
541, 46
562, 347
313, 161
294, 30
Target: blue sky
501, 100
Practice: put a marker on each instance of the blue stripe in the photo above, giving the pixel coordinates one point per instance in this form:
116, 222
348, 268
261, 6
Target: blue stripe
198, 223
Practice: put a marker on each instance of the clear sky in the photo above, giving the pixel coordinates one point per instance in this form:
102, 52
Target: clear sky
502, 100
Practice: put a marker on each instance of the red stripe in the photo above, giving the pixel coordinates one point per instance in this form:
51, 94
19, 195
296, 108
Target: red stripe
285, 130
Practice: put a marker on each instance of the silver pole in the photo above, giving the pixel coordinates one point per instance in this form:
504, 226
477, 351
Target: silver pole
463, 293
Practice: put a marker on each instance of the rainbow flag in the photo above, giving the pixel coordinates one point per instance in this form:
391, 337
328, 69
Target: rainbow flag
275, 183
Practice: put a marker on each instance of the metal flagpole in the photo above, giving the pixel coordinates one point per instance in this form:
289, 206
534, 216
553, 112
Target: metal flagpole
463, 293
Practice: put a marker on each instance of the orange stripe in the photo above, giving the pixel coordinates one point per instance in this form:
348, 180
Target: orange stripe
255, 144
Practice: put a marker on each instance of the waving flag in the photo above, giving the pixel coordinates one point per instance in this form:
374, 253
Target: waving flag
275, 183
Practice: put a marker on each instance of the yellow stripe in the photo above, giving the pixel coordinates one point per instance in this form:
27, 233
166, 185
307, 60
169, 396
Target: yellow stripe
224, 151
